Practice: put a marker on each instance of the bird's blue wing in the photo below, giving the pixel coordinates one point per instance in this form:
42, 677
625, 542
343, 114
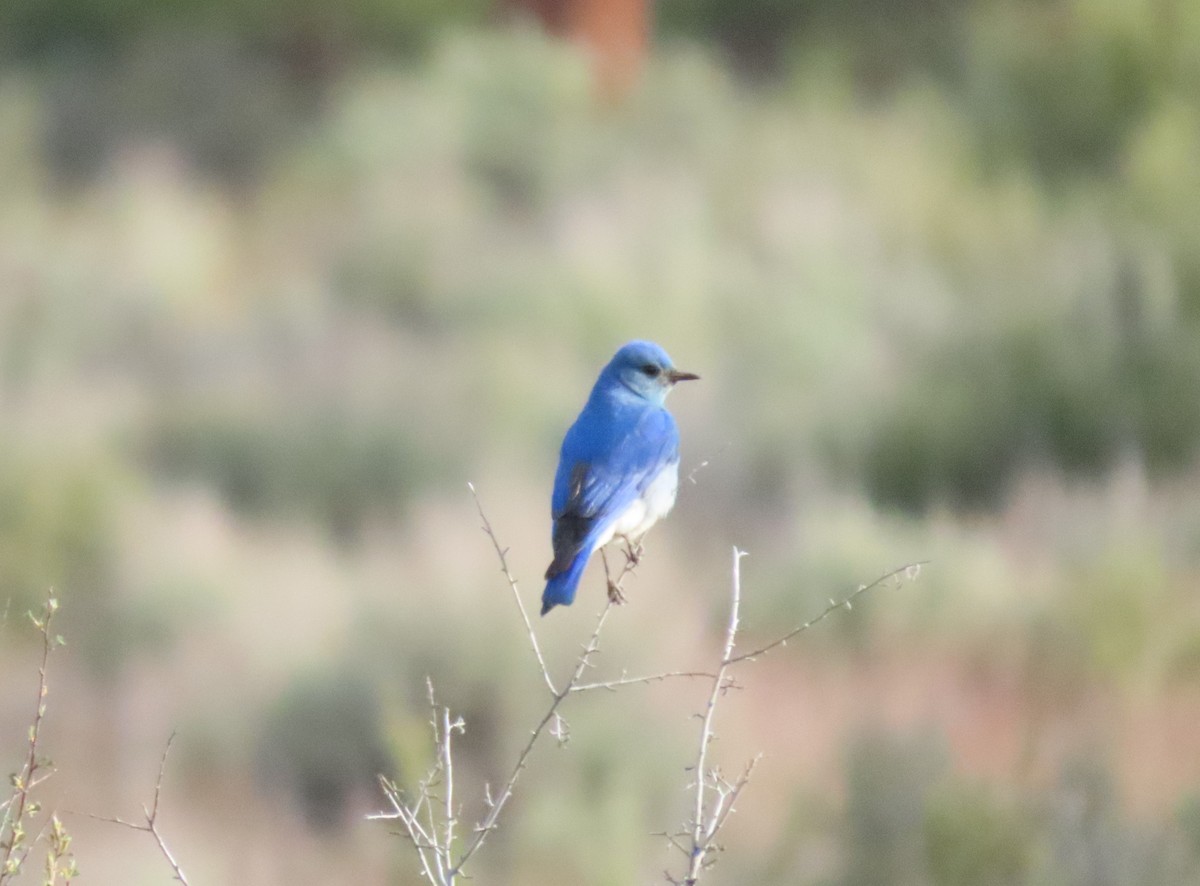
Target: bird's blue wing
606, 463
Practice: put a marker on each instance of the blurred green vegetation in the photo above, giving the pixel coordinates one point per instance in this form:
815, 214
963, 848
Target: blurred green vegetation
909, 820
973, 837
328, 468
37, 29
1054, 395
322, 741
888, 784
56, 526
279, 278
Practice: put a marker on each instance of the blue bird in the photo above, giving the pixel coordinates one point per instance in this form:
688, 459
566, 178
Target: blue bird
618, 470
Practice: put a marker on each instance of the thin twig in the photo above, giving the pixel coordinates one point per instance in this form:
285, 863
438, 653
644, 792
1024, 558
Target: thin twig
691, 475
673, 842
435, 849
502, 553
909, 571
708, 819
715, 797
33, 783
648, 678
448, 768
422, 841
440, 857
702, 832
435, 844
488, 824
731, 795
151, 825
25, 780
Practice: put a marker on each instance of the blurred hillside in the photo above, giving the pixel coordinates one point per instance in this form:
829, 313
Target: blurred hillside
278, 278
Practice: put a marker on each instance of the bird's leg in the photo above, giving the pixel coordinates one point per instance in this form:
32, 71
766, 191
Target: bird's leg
614, 589
633, 551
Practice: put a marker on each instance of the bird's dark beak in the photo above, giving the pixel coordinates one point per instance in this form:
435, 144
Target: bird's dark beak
674, 375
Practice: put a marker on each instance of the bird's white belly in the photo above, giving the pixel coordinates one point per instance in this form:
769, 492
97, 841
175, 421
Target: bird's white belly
643, 512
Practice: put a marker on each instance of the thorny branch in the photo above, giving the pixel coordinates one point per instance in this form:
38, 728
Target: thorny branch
632, 557
710, 815
715, 796
502, 553
151, 815
435, 849
909, 572
551, 716
647, 678
434, 844
703, 831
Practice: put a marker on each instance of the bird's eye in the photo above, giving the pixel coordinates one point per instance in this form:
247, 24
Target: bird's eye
651, 370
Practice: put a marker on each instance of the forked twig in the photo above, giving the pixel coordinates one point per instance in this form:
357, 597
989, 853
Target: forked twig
430, 825
909, 571
33, 783
14, 845
151, 824
715, 797
434, 840
488, 824
435, 845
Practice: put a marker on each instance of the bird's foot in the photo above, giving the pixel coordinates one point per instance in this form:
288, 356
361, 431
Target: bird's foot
614, 593
633, 553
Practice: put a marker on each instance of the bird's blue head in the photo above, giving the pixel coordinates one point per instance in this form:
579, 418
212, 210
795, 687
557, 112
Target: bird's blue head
643, 368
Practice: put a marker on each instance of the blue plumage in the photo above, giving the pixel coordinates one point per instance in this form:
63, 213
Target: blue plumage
619, 465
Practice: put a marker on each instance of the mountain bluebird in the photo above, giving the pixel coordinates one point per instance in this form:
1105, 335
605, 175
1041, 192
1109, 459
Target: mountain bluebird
619, 466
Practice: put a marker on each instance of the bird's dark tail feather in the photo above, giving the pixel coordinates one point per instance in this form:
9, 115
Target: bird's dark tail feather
560, 590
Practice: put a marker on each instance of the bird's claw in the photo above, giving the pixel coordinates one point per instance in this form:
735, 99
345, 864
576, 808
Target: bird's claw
614, 593
633, 553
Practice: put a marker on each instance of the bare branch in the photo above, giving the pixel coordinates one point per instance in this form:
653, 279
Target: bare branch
704, 829
673, 841
443, 733
448, 770
648, 678
162, 768
434, 842
909, 571
151, 815
412, 827
730, 797
440, 858
502, 553
709, 816
430, 821
488, 824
